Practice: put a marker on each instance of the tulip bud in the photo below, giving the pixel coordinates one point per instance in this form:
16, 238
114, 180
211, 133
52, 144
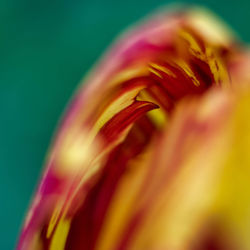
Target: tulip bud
152, 152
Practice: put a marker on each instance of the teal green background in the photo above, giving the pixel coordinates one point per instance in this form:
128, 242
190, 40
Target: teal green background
45, 49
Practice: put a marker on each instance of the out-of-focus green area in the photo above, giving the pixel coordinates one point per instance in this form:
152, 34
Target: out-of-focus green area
45, 49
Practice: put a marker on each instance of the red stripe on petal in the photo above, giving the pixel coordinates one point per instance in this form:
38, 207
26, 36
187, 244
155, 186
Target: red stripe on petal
114, 127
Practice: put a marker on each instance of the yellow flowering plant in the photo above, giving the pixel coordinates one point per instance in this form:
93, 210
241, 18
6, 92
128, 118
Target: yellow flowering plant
153, 151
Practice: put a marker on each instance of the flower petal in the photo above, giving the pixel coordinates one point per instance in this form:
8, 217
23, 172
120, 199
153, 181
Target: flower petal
125, 167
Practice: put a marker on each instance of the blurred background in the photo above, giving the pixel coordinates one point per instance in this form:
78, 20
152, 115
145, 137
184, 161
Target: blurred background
45, 49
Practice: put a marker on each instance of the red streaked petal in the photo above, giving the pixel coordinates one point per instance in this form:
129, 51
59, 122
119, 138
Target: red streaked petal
123, 119
154, 199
